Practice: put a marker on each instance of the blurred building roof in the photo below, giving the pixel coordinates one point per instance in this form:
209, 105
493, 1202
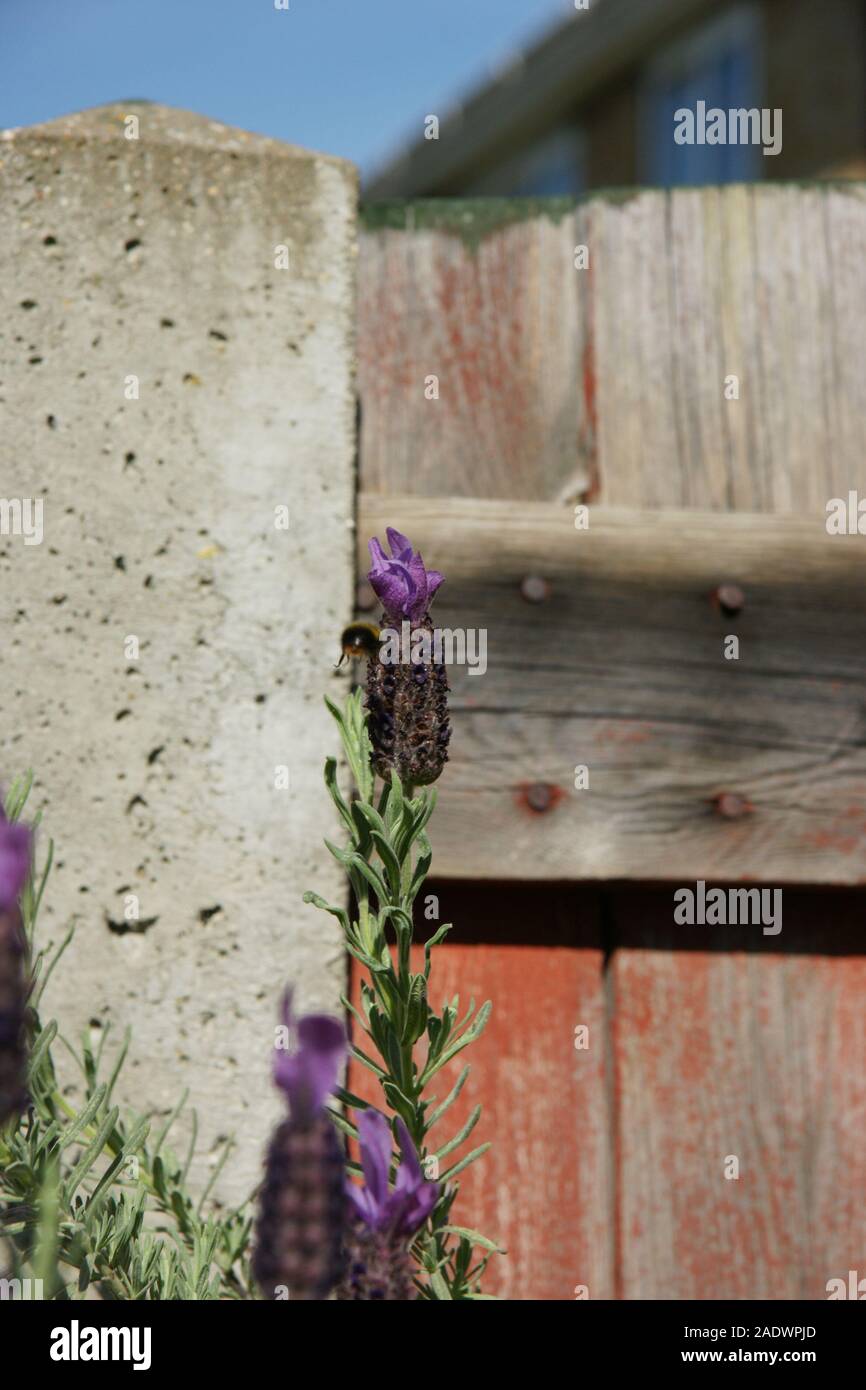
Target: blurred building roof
567, 67
593, 103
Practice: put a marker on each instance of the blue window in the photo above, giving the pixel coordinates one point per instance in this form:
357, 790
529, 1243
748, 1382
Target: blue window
720, 65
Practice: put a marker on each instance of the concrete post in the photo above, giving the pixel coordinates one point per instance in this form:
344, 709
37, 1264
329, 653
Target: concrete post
177, 303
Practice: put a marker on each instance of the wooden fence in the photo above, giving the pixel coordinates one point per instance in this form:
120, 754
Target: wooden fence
688, 366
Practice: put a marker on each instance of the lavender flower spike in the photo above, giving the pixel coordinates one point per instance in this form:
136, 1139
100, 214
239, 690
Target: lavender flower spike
407, 700
14, 868
380, 1266
403, 584
302, 1210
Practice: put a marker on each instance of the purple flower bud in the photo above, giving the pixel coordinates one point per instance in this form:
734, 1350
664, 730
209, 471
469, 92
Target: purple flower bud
302, 1204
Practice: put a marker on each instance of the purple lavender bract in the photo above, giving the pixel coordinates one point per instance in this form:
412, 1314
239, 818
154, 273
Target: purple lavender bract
403, 584
379, 1264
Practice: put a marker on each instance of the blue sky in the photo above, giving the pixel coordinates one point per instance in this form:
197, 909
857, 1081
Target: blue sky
350, 77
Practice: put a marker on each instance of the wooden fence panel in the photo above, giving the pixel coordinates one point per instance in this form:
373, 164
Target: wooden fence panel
603, 375
703, 352
731, 1045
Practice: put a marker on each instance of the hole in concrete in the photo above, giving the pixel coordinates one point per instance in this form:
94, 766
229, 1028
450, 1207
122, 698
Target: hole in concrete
124, 928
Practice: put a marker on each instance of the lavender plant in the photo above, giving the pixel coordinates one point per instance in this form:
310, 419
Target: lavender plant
89, 1202
386, 861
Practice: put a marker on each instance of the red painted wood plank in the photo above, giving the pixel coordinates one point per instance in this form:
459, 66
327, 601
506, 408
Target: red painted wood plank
737, 1046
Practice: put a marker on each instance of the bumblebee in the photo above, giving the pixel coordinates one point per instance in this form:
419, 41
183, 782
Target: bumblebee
359, 640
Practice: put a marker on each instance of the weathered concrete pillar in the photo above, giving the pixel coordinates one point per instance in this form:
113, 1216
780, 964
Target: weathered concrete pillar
177, 305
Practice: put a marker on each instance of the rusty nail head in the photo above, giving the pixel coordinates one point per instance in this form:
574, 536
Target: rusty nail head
731, 805
539, 797
730, 598
535, 589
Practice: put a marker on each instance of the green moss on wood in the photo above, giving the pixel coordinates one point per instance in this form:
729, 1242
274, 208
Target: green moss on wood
471, 219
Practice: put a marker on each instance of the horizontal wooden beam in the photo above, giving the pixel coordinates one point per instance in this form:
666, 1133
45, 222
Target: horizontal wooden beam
699, 766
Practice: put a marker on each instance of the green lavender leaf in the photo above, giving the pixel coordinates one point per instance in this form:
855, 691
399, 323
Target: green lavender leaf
403, 1105
336, 794
464, 1162
367, 1062
462, 1134
449, 1099
438, 936
472, 1033
90, 1155
340, 913
417, 1011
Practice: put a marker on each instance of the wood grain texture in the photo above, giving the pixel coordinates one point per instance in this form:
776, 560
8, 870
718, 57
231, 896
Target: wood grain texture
727, 1045
693, 286
544, 1189
490, 310
609, 382
622, 670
